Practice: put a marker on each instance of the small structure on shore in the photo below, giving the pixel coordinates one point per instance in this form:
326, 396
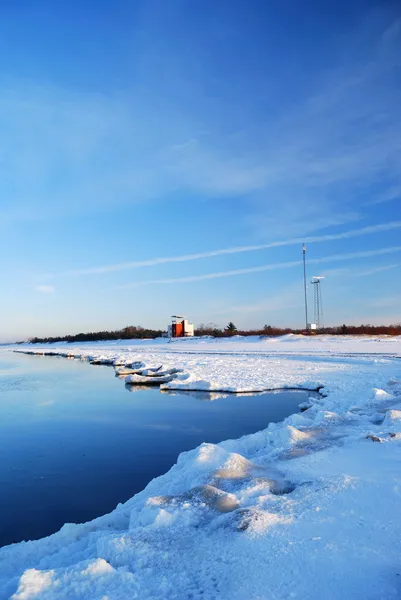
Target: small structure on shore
180, 327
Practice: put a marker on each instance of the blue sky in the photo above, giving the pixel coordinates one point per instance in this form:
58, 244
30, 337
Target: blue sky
142, 130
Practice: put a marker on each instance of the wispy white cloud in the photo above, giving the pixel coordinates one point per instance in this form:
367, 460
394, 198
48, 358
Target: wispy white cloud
235, 250
392, 193
300, 171
338, 144
353, 272
374, 270
336, 272
269, 267
45, 289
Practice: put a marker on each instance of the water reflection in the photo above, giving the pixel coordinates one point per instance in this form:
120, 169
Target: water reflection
139, 388
198, 395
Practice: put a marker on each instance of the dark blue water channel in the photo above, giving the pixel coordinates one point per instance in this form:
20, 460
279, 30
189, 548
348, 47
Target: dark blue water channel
74, 443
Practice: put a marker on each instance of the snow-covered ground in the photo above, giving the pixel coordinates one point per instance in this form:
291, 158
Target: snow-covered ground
307, 508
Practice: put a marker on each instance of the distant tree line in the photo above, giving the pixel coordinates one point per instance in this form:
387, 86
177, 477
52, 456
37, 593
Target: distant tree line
128, 333
212, 330
137, 332
364, 329
269, 330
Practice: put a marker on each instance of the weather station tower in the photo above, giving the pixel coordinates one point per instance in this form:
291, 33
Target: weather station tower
318, 304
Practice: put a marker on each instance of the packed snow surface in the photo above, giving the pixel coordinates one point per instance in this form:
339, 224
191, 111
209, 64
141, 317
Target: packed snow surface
307, 508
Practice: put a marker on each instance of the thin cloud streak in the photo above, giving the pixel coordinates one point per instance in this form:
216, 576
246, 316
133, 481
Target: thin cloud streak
391, 194
377, 270
348, 272
236, 250
284, 265
45, 289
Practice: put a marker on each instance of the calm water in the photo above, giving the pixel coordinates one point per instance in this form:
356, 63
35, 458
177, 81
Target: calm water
74, 442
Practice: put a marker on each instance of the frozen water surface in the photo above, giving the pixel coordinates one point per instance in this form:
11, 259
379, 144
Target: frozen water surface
74, 443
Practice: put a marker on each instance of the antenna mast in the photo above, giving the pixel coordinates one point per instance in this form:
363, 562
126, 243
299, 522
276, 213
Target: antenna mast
306, 299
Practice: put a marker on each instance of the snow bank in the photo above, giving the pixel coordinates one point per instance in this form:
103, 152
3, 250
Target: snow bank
316, 344
307, 508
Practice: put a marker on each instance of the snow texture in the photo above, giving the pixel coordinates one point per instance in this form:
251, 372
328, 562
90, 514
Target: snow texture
307, 508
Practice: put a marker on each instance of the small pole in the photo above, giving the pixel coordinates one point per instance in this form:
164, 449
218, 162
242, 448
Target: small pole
306, 299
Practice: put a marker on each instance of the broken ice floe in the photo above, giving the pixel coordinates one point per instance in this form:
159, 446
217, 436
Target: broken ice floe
154, 376
148, 380
123, 372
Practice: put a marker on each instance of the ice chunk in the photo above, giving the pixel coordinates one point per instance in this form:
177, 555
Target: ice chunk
33, 583
380, 395
392, 416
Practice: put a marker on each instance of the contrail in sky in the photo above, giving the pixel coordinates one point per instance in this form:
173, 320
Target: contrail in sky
270, 267
236, 250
